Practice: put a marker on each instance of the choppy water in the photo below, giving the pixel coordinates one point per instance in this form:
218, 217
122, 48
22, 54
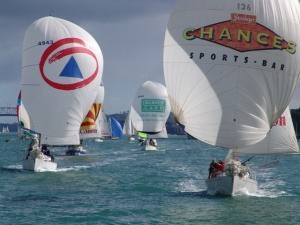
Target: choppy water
120, 184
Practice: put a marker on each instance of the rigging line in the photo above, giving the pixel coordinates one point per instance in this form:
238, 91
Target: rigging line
247, 160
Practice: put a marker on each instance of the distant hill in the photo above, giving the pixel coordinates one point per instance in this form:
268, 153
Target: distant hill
172, 126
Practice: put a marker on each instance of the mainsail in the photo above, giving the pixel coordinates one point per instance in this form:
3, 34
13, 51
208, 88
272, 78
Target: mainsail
128, 129
104, 125
61, 70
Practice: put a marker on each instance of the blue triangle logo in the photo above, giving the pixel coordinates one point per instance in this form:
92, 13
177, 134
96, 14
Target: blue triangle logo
71, 69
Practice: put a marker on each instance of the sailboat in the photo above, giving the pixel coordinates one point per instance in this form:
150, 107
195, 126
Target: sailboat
228, 76
61, 70
105, 129
150, 110
110, 127
5, 129
115, 128
128, 129
89, 128
281, 139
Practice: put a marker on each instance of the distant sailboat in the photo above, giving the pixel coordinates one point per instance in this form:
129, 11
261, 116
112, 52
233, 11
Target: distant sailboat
89, 128
104, 125
116, 128
61, 71
110, 127
150, 111
128, 129
231, 70
5, 129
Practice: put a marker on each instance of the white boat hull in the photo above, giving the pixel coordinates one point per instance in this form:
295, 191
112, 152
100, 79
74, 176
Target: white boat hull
131, 139
39, 165
231, 185
148, 147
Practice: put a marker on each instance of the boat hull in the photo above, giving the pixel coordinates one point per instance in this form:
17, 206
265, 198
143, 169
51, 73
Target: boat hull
230, 185
39, 165
78, 150
131, 139
148, 147
75, 152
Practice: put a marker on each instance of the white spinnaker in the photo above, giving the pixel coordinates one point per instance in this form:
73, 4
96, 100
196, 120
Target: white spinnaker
162, 134
62, 67
224, 96
281, 139
150, 108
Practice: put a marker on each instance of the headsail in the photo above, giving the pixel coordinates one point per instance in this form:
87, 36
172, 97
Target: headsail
22, 114
104, 125
61, 69
230, 68
280, 140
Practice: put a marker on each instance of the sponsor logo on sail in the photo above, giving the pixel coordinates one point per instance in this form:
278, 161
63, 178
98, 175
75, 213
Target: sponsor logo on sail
62, 54
241, 33
153, 105
281, 122
90, 118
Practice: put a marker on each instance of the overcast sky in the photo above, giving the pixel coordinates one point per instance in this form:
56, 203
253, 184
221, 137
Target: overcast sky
129, 32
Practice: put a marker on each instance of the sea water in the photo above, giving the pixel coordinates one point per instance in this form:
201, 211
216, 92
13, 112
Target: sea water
118, 183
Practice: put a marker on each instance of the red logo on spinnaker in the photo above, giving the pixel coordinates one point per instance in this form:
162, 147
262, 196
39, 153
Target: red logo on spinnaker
241, 33
65, 52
